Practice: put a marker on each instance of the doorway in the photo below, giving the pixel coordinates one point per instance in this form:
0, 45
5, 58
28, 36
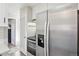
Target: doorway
11, 32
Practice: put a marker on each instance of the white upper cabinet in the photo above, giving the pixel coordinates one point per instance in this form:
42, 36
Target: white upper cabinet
3, 15
38, 9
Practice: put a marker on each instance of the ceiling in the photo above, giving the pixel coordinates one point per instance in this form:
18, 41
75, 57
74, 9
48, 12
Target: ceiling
33, 4
19, 4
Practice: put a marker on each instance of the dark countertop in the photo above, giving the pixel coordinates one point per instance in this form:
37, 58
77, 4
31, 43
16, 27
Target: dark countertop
33, 38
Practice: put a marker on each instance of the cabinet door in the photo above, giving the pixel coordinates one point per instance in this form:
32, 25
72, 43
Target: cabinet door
3, 15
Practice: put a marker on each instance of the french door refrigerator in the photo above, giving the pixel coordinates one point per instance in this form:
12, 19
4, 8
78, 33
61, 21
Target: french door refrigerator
57, 32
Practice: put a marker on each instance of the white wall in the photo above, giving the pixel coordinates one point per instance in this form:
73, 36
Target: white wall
13, 31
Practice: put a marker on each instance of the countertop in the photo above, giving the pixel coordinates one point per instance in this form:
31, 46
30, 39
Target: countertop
33, 38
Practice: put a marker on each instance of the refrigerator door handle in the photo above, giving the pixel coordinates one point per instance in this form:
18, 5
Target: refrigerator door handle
47, 43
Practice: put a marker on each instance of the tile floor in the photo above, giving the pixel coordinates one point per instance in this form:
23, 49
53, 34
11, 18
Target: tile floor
14, 51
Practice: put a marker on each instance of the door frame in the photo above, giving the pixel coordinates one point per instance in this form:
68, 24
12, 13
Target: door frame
13, 42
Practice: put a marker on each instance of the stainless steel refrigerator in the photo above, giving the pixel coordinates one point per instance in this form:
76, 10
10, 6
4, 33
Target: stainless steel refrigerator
56, 32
